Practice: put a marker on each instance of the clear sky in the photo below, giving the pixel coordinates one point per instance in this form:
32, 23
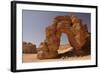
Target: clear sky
35, 22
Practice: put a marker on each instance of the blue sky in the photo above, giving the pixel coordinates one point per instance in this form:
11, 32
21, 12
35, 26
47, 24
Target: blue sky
34, 24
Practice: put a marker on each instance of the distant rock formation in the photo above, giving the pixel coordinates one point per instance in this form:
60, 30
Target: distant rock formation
29, 47
77, 32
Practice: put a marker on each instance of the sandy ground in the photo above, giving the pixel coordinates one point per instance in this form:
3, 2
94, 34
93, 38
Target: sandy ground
62, 49
33, 58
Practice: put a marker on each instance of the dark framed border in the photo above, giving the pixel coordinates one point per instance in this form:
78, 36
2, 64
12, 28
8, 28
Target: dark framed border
13, 35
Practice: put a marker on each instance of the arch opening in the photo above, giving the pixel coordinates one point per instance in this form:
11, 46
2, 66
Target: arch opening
64, 44
63, 39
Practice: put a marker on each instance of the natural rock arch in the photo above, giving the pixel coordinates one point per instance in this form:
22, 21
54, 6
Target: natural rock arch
77, 33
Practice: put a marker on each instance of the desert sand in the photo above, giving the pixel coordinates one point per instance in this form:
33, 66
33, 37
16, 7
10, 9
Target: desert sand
26, 58
32, 58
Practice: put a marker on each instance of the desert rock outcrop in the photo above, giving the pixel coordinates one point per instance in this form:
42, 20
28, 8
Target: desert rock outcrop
29, 48
72, 26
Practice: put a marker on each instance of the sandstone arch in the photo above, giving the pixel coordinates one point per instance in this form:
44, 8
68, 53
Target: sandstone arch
70, 25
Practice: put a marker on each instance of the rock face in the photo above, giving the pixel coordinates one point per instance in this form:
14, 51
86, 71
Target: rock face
77, 33
45, 53
29, 48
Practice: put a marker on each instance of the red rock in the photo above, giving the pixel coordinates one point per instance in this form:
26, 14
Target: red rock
78, 36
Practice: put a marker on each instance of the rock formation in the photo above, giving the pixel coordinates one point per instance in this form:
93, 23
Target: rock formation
77, 33
29, 48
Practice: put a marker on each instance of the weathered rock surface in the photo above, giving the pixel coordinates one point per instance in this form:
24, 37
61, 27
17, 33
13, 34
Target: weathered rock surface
77, 33
29, 48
